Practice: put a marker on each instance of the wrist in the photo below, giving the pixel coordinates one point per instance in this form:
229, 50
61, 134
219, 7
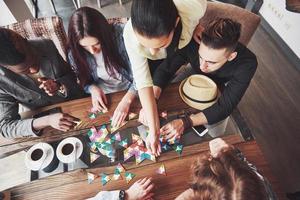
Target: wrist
186, 121
60, 88
40, 123
126, 100
126, 195
91, 88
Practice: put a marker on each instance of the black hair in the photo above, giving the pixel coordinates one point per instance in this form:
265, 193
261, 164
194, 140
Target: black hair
153, 18
222, 33
9, 54
87, 21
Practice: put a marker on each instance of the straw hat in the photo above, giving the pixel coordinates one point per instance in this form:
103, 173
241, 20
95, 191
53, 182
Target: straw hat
198, 91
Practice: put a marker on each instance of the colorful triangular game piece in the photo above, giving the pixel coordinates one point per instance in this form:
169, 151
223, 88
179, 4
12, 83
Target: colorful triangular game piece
178, 148
165, 147
116, 177
120, 168
91, 177
173, 140
104, 179
92, 115
129, 176
124, 143
93, 157
93, 147
116, 137
161, 170
148, 155
127, 154
139, 159
135, 138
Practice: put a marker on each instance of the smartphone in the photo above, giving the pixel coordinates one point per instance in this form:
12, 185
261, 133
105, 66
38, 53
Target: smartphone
200, 130
48, 112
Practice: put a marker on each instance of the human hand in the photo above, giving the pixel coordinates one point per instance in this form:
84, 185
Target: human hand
62, 121
152, 144
216, 145
50, 86
197, 34
140, 190
172, 129
120, 113
99, 99
156, 91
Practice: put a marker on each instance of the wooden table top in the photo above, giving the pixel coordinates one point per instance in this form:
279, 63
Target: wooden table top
74, 185
170, 101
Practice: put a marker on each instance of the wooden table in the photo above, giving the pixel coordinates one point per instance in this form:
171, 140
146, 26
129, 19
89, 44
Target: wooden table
170, 101
73, 185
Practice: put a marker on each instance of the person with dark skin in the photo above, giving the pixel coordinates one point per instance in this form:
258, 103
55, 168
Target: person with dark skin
33, 74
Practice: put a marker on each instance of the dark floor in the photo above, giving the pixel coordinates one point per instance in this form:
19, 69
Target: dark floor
270, 106
271, 109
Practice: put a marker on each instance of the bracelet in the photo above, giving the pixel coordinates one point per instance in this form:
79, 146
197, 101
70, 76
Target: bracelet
186, 120
61, 88
122, 195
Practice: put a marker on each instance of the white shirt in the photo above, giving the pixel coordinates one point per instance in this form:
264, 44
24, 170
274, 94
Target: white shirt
108, 83
190, 12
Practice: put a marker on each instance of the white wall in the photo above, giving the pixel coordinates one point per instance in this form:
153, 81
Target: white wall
285, 23
6, 15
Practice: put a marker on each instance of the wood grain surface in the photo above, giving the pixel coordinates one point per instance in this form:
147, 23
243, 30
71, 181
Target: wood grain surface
170, 101
73, 185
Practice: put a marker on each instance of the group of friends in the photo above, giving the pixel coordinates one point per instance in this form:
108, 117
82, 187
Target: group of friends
142, 57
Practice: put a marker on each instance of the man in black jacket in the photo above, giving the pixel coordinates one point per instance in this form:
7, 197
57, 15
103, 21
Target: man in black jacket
223, 59
33, 74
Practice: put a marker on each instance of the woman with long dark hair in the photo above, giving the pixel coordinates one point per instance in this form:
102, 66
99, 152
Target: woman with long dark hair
98, 56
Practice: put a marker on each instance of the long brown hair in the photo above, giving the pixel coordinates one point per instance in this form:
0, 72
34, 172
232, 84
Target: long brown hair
85, 22
225, 178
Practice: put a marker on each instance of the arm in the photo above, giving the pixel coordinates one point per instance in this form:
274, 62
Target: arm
103, 195
64, 75
122, 109
141, 189
168, 68
69, 81
150, 108
190, 11
12, 126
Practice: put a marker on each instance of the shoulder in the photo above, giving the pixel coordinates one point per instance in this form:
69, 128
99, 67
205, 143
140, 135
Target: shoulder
45, 48
70, 56
246, 57
191, 8
130, 40
118, 28
245, 64
128, 33
43, 44
118, 32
